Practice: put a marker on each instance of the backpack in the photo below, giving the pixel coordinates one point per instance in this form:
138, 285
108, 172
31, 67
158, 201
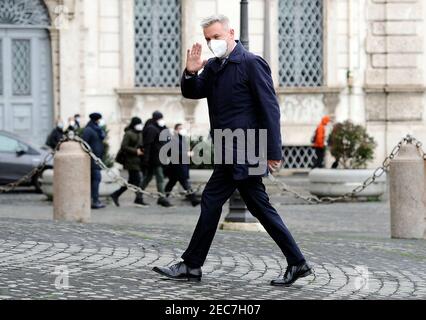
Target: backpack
120, 157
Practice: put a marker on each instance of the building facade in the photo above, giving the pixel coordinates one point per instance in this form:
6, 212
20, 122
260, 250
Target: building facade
362, 60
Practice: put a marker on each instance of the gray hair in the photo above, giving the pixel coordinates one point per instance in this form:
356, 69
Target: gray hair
207, 22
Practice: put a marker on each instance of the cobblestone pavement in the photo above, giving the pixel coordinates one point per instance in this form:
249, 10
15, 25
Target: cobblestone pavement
111, 258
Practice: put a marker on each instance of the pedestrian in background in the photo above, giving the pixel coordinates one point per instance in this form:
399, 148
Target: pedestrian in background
55, 135
77, 119
72, 125
131, 154
94, 135
179, 172
319, 142
151, 163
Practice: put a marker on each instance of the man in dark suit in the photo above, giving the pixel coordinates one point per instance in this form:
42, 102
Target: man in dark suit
240, 95
94, 135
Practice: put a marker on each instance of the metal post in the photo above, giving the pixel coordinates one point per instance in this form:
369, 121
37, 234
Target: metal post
239, 218
244, 35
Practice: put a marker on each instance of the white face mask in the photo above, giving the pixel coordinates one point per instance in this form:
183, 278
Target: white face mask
101, 122
161, 123
60, 125
182, 132
218, 47
77, 119
72, 123
139, 127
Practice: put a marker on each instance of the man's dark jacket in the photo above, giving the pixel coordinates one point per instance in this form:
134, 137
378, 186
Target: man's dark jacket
94, 135
152, 144
240, 94
54, 137
179, 170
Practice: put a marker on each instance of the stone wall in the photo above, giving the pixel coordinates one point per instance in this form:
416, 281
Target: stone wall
394, 78
374, 67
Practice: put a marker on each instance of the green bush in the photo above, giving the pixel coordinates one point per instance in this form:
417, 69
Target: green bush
208, 147
107, 158
351, 145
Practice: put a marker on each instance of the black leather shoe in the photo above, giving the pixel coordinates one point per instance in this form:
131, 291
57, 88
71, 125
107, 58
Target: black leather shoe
164, 202
195, 202
180, 271
115, 199
141, 203
193, 199
292, 274
98, 205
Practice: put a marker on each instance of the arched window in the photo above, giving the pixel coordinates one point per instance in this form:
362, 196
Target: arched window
23, 12
300, 43
157, 43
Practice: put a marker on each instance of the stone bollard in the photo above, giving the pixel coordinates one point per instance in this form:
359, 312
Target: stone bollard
406, 194
71, 183
424, 199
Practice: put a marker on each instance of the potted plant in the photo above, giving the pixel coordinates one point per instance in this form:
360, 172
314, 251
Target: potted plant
353, 148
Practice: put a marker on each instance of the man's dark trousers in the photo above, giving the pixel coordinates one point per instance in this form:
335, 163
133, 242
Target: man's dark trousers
217, 191
95, 177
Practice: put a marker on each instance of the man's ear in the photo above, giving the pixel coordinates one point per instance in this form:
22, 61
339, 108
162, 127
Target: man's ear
232, 32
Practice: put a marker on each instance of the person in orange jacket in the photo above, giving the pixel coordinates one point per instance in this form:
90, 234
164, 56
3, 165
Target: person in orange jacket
319, 142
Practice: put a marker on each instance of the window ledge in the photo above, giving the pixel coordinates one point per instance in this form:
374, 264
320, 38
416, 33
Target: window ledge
395, 89
149, 91
309, 90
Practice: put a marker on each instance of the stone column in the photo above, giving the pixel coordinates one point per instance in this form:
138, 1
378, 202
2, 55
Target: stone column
127, 44
71, 65
54, 40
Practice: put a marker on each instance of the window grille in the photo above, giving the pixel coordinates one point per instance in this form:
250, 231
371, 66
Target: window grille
300, 43
21, 67
298, 157
157, 43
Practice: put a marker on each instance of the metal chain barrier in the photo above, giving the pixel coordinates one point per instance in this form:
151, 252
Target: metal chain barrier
350, 195
123, 182
35, 171
378, 172
115, 177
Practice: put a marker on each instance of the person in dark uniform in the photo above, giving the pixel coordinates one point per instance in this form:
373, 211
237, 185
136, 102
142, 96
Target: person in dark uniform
240, 95
151, 164
179, 171
77, 119
94, 135
55, 135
